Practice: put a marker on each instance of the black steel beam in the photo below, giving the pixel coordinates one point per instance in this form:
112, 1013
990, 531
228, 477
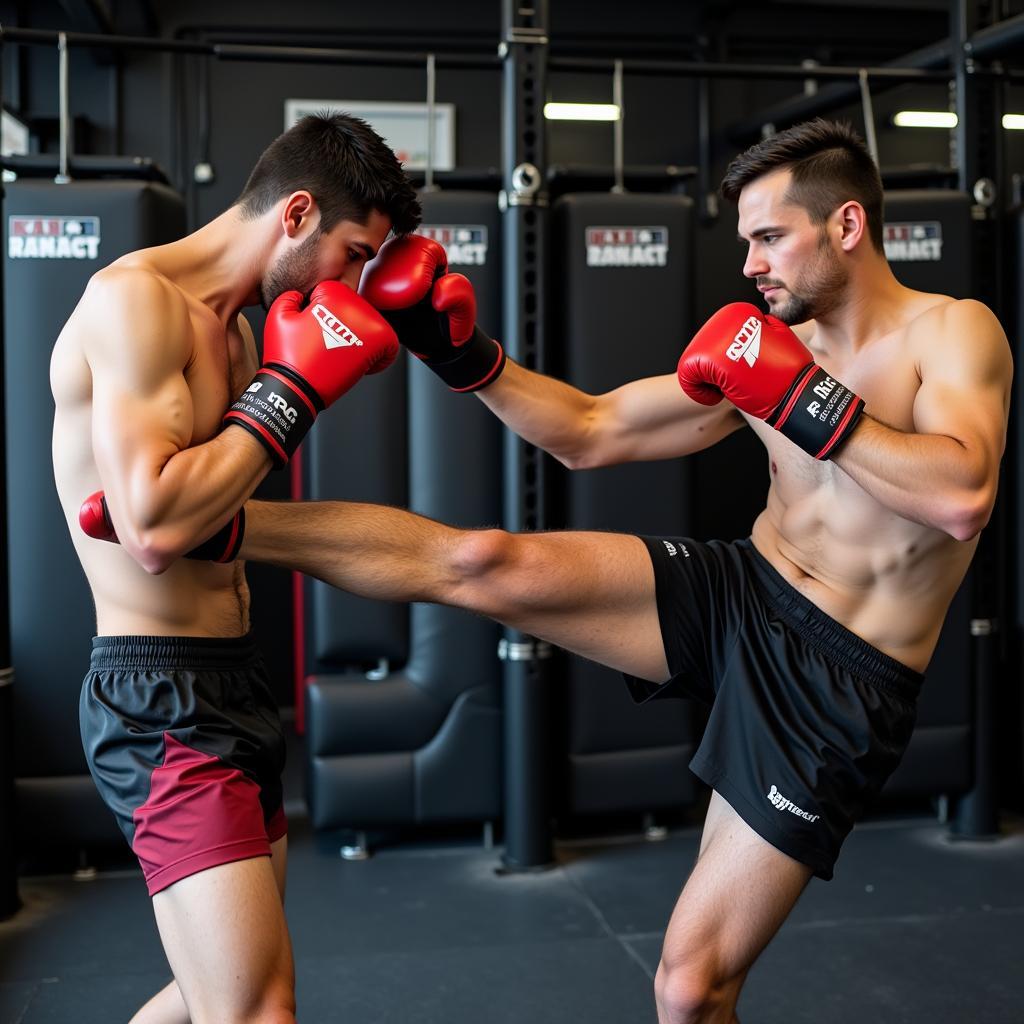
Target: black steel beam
997, 39
990, 41
328, 55
43, 37
977, 155
9, 900
718, 69
527, 692
246, 52
839, 94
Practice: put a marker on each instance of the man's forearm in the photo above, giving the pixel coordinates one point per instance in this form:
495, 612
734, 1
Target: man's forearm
370, 550
161, 511
544, 411
928, 478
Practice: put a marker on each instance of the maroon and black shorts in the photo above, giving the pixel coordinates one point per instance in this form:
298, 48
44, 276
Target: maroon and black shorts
183, 738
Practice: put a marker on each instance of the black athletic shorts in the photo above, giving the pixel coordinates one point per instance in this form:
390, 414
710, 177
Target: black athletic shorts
807, 720
185, 744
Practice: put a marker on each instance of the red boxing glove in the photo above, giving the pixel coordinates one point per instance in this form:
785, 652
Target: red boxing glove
764, 369
433, 312
94, 519
311, 357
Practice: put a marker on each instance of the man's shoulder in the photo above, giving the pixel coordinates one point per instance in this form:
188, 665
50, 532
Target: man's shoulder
132, 313
930, 313
932, 318
953, 330
133, 301
133, 284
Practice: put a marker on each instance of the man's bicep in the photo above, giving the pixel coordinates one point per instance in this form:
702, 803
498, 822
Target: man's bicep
141, 404
133, 433
655, 419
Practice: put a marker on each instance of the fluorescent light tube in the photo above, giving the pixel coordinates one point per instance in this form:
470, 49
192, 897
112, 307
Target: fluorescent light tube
581, 111
924, 119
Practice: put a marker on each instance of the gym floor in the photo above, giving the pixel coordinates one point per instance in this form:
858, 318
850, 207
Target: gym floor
914, 928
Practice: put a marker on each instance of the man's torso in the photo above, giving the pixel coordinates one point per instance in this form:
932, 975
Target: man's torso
887, 579
192, 598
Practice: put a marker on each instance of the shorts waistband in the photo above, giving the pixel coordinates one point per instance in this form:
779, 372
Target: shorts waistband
173, 652
827, 635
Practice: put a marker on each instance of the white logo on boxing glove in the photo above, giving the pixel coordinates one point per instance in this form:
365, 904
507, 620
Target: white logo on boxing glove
747, 343
336, 334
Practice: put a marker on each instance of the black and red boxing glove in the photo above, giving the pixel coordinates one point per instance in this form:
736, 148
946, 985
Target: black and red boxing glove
433, 312
764, 369
311, 357
94, 519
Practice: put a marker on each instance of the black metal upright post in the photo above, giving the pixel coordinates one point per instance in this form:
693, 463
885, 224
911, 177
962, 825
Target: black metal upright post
976, 147
524, 49
9, 901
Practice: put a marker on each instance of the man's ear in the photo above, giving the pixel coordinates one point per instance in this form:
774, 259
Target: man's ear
853, 224
299, 214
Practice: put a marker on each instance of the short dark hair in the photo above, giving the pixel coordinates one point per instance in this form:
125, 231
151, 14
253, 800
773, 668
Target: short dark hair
343, 163
830, 166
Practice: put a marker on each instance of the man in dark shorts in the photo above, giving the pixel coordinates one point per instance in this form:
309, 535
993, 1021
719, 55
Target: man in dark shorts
884, 419
162, 402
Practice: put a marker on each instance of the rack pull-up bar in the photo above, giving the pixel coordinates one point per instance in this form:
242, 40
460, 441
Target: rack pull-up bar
717, 69
247, 52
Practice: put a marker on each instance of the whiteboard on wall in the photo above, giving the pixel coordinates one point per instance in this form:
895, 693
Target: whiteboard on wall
402, 125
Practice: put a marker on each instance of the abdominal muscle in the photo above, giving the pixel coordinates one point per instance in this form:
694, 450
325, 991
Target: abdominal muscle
886, 579
190, 599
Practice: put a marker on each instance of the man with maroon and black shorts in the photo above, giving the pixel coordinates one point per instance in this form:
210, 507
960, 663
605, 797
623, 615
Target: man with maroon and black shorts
162, 404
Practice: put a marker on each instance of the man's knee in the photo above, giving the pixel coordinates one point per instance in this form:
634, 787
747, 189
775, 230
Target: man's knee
488, 566
270, 1002
274, 1013
690, 991
276, 1005
481, 552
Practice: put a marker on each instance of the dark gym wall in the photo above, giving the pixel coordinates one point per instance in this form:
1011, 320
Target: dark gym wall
246, 100
246, 111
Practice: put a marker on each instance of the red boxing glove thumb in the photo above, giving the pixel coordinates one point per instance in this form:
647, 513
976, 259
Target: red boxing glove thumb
287, 302
454, 295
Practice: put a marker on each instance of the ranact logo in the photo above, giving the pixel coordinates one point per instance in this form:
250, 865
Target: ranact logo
336, 334
627, 246
913, 242
53, 238
464, 244
747, 343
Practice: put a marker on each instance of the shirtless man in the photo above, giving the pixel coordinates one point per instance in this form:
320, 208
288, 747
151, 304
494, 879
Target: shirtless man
808, 639
162, 402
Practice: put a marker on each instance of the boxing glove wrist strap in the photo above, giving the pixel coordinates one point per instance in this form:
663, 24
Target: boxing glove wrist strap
818, 413
278, 409
224, 544
474, 364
